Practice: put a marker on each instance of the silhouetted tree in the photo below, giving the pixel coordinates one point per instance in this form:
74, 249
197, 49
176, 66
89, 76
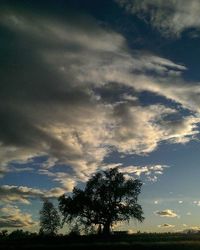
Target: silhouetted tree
19, 234
107, 198
4, 233
49, 218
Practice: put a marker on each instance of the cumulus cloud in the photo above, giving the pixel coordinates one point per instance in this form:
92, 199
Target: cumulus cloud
65, 110
166, 213
170, 17
24, 194
12, 217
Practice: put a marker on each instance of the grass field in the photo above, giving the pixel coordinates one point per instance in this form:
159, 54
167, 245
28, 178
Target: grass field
136, 242
120, 245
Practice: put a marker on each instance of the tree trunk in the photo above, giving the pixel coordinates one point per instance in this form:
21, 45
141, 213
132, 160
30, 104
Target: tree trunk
106, 229
99, 231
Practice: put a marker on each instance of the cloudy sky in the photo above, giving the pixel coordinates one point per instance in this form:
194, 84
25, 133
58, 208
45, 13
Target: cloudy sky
89, 85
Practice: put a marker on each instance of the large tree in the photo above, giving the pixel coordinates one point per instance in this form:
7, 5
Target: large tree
108, 198
49, 218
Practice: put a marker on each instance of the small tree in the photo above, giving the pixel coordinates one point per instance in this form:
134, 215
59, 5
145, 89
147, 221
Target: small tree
49, 218
107, 198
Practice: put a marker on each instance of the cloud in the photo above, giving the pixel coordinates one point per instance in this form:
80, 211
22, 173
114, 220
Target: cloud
70, 91
23, 194
66, 110
12, 217
192, 229
171, 17
166, 213
11, 169
166, 225
68, 182
3, 171
196, 203
151, 172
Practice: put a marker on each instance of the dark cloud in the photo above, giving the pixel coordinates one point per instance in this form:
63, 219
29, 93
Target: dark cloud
166, 225
69, 90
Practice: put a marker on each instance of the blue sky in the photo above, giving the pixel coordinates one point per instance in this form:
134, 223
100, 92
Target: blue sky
89, 85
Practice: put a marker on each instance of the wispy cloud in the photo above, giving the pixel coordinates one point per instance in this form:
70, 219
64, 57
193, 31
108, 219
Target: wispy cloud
151, 172
67, 181
23, 194
170, 17
12, 217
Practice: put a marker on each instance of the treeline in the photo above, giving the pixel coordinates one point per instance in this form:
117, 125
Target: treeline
115, 237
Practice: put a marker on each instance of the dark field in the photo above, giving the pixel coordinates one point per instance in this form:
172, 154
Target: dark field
136, 242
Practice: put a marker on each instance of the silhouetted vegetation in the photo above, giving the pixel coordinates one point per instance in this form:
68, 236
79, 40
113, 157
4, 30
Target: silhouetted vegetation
108, 198
26, 240
49, 219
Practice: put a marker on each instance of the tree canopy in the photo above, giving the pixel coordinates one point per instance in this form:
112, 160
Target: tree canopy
49, 218
108, 198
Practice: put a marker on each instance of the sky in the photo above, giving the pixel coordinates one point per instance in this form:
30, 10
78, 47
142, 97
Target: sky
89, 85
